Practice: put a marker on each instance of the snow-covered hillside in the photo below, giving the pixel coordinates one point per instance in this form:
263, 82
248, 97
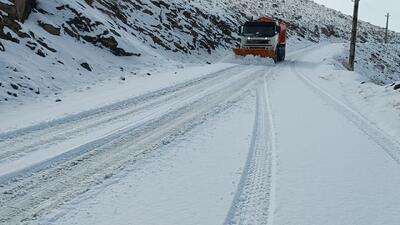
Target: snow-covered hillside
66, 43
70, 45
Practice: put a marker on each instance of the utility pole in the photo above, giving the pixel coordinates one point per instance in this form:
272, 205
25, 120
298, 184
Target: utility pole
387, 28
353, 36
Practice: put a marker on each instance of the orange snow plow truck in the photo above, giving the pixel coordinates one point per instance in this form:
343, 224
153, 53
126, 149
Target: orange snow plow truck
264, 37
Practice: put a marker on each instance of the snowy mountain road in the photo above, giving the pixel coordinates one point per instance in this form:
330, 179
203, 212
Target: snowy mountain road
257, 144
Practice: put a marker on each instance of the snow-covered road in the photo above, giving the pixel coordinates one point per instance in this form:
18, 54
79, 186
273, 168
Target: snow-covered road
245, 144
334, 167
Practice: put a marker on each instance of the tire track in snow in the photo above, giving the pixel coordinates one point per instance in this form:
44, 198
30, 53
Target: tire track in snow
66, 132
273, 147
253, 203
112, 107
168, 107
27, 198
389, 144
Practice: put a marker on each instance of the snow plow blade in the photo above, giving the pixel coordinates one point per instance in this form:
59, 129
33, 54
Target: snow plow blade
264, 53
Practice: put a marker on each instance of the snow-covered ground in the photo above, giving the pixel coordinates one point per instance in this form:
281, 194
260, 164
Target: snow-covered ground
237, 142
109, 91
190, 181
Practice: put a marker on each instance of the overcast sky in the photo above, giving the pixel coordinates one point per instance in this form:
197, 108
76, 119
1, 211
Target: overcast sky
373, 11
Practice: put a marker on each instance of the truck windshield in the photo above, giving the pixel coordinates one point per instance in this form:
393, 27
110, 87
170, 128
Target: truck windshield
259, 30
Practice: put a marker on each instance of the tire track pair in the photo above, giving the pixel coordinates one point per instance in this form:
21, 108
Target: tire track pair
36, 194
112, 107
254, 200
65, 131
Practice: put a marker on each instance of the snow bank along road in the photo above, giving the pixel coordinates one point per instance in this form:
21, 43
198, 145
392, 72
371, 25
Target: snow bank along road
303, 156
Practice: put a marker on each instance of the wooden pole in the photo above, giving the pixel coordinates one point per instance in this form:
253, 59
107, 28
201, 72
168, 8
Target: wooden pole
387, 28
353, 36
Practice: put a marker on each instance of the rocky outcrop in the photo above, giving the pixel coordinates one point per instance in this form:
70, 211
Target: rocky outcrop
24, 8
20, 10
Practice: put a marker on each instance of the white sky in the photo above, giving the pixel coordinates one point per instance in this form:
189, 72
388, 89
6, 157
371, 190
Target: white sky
373, 11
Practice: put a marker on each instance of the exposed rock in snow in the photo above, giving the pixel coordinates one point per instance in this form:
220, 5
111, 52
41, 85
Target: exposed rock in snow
86, 66
24, 8
50, 28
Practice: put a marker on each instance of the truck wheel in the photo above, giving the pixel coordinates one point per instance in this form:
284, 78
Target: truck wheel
281, 53
277, 56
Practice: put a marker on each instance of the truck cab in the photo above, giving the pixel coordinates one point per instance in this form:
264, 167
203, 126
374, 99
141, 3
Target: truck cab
264, 37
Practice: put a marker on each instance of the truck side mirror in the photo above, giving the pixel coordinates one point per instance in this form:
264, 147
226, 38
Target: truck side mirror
240, 30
